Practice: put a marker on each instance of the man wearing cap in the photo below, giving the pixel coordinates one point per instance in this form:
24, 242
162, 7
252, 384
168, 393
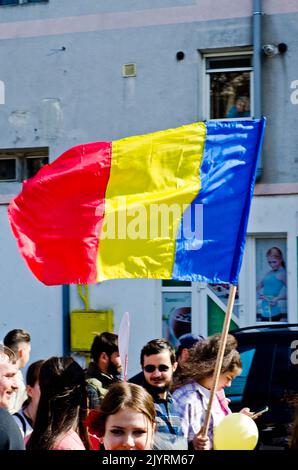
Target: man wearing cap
186, 342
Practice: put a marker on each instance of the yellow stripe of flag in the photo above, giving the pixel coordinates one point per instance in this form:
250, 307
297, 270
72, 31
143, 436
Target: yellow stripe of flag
152, 176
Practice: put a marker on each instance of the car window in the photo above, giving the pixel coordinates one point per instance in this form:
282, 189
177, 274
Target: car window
236, 391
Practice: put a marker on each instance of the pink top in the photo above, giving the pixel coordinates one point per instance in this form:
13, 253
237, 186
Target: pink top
70, 441
223, 401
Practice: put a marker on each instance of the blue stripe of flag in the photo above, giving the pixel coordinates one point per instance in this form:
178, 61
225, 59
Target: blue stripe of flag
231, 152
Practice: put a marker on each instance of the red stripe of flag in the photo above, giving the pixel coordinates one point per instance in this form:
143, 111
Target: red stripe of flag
63, 215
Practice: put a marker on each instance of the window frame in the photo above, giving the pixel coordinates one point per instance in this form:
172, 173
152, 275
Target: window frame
199, 315
10, 180
22, 2
248, 276
206, 81
20, 156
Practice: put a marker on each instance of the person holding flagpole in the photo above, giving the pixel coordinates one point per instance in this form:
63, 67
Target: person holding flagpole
193, 386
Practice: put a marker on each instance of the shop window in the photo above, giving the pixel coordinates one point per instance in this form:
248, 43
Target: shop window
18, 165
176, 309
222, 292
176, 315
229, 85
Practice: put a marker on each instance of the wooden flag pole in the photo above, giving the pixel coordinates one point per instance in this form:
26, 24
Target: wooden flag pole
123, 343
220, 356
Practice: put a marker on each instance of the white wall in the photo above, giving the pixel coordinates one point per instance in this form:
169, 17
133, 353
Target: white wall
25, 302
137, 296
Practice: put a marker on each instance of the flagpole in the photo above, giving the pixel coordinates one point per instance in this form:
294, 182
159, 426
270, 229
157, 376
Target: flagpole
125, 368
123, 343
220, 356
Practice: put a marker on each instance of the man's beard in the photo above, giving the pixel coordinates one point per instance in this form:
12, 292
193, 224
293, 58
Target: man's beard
114, 370
153, 390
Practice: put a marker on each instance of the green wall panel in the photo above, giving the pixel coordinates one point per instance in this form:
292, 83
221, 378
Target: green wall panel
216, 318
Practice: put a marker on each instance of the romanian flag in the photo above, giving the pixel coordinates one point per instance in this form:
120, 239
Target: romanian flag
173, 204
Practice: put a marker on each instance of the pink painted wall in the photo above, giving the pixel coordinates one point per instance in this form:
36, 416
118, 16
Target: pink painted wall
203, 10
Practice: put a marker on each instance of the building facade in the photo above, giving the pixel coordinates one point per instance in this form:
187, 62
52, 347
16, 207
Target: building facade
77, 71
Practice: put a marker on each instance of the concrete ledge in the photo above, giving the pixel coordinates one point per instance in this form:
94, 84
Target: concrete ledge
6, 198
275, 189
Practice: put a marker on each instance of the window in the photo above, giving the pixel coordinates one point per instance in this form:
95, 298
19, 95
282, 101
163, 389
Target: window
20, 2
229, 82
222, 293
18, 165
8, 169
176, 310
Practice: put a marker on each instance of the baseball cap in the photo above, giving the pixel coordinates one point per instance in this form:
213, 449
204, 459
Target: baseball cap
188, 340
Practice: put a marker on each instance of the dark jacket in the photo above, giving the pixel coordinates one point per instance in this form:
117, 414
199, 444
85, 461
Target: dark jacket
10, 435
97, 385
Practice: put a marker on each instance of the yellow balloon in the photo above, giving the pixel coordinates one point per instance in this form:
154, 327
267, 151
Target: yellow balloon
236, 431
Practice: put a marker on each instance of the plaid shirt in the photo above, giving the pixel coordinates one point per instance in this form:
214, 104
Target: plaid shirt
168, 434
192, 402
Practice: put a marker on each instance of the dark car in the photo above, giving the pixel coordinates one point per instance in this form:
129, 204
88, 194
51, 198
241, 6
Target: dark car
269, 377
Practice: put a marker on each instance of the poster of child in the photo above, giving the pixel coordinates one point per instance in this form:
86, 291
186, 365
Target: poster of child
272, 287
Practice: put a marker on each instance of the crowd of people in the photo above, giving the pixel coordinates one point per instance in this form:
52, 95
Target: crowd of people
64, 407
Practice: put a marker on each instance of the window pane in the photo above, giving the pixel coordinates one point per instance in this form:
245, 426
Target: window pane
271, 276
9, 2
222, 292
34, 164
228, 63
7, 169
229, 95
169, 283
176, 315
17, 2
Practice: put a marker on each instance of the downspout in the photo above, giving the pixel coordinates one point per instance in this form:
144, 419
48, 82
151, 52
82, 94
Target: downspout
257, 57
65, 319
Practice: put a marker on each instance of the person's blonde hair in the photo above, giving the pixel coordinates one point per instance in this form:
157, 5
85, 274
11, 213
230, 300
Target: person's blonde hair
7, 354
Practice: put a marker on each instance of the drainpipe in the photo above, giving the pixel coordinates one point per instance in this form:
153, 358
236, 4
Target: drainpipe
65, 321
257, 56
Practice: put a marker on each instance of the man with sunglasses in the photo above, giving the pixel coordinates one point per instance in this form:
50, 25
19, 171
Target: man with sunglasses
158, 363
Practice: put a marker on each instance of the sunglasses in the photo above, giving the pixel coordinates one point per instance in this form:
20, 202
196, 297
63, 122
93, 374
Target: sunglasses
151, 368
